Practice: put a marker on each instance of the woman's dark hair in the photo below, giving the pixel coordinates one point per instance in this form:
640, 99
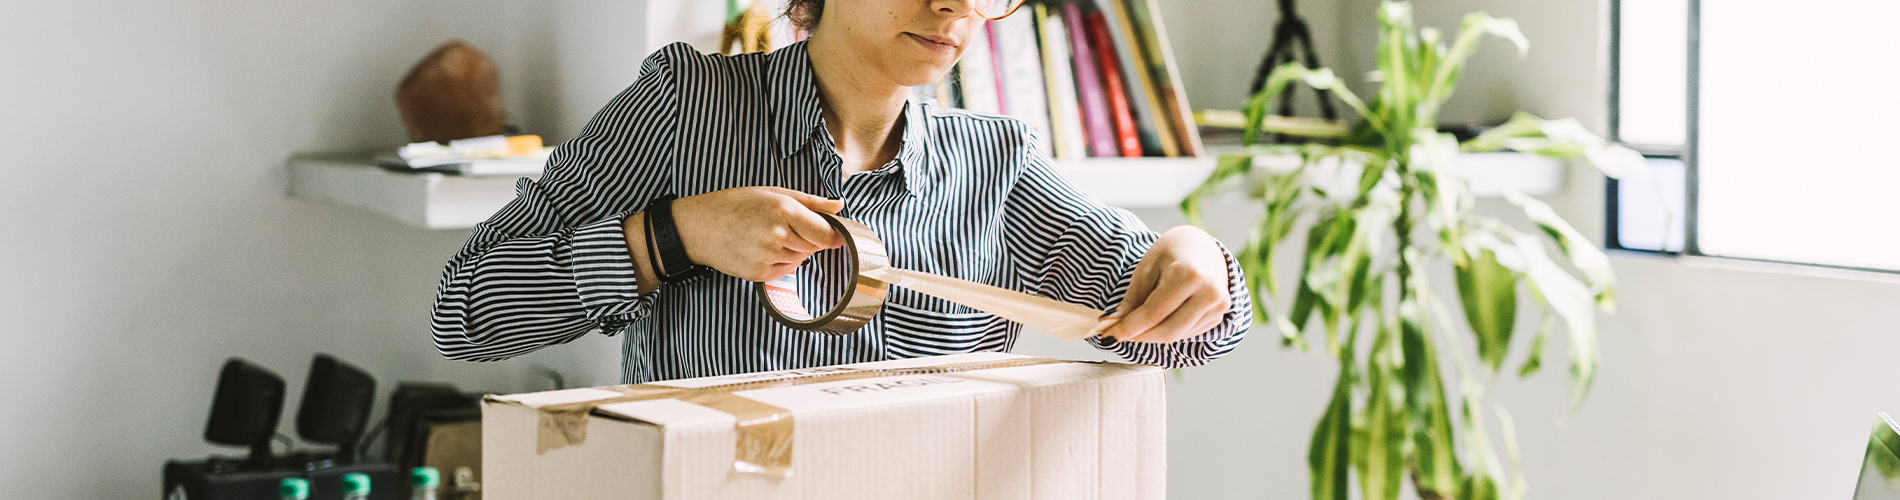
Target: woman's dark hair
804, 13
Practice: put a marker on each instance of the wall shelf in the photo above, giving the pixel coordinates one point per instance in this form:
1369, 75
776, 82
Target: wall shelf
440, 201
430, 200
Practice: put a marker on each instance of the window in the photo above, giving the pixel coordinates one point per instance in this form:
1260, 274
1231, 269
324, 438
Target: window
1768, 126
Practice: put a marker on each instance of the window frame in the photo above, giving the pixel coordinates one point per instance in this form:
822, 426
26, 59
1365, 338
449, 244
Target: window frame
1684, 153
1687, 153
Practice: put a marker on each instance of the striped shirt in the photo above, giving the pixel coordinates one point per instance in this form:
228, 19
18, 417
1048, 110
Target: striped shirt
969, 195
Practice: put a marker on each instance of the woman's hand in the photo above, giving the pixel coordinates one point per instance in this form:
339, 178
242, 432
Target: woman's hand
755, 233
1179, 290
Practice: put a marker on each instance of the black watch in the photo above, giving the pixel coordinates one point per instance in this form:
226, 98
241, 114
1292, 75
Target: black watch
664, 248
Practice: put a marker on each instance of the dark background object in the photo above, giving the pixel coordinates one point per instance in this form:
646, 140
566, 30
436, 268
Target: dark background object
245, 409
217, 479
453, 93
438, 426
1292, 41
336, 403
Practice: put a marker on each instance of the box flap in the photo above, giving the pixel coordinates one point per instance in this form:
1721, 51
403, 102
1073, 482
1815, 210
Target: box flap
551, 398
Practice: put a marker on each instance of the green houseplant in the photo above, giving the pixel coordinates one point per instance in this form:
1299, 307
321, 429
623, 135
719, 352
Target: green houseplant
1377, 203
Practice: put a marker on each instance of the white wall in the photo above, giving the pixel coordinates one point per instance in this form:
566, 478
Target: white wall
1719, 379
148, 237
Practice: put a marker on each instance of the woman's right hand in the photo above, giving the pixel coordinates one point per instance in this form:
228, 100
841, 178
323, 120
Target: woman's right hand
755, 233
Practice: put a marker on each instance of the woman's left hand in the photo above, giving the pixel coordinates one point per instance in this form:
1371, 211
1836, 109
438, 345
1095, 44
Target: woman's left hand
1179, 290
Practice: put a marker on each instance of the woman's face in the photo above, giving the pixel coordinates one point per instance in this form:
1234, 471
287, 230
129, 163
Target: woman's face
912, 42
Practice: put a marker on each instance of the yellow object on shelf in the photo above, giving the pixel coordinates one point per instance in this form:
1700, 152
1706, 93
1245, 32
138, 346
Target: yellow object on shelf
524, 145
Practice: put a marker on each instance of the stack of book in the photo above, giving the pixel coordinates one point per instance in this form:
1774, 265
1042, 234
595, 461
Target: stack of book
1094, 78
488, 155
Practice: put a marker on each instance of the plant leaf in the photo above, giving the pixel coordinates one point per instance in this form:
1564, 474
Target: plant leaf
1385, 425
1536, 360
1582, 253
1482, 483
1489, 294
1571, 300
1520, 125
1328, 459
1228, 167
1436, 455
1508, 429
1303, 297
1476, 25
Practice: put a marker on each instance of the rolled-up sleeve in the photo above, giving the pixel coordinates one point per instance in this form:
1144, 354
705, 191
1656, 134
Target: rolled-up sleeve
552, 265
1069, 246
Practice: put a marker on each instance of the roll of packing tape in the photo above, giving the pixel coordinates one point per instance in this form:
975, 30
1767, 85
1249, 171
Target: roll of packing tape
861, 301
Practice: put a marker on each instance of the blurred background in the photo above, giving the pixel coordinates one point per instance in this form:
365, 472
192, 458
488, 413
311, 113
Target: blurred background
149, 235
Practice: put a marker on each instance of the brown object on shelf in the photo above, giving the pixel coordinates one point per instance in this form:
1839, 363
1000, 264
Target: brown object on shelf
453, 93
749, 32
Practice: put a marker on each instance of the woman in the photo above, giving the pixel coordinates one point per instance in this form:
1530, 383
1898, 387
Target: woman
751, 146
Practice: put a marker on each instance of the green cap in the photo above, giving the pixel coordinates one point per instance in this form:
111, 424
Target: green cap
425, 478
293, 488
355, 484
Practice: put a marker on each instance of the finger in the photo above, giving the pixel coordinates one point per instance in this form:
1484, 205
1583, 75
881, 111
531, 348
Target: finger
1195, 317
1139, 287
1168, 296
1102, 325
814, 202
812, 228
791, 243
776, 271
788, 256
1199, 326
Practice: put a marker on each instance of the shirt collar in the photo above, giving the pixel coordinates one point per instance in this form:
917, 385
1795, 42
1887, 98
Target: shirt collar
914, 155
792, 94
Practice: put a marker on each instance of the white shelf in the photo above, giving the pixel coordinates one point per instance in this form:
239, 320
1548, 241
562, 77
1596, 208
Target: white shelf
1137, 182
438, 201
1163, 182
431, 200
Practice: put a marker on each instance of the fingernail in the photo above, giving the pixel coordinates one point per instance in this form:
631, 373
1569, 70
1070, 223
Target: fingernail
1108, 341
832, 198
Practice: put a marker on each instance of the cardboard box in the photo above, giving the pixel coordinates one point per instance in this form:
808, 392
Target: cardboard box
984, 425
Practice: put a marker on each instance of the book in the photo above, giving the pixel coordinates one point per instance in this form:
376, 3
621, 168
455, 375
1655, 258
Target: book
1088, 83
1019, 64
1156, 138
977, 75
996, 65
1127, 138
1146, 17
1065, 113
517, 166
486, 155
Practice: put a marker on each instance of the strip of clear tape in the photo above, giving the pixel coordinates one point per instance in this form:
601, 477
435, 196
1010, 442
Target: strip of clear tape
1069, 321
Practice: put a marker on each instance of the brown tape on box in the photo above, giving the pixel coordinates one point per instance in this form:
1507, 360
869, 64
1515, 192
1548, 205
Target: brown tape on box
765, 431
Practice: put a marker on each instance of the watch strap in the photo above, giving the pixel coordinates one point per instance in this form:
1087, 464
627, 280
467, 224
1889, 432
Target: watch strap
664, 247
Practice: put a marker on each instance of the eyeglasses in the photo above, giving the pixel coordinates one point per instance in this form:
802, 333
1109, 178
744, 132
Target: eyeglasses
997, 9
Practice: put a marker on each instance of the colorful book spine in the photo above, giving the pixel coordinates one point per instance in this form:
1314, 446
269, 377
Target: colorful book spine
997, 61
976, 76
1162, 68
1095, 115
1065, 113
1156, 137
1025, 93
1126, 136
